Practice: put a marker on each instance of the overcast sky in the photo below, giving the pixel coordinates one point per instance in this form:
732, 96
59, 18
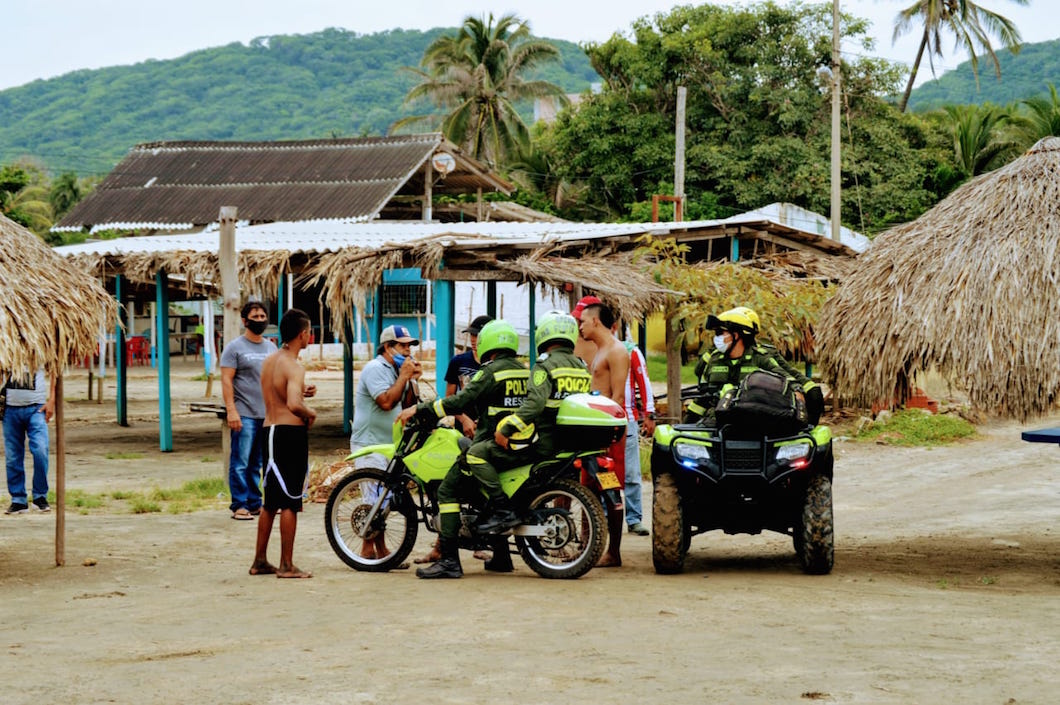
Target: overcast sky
47, 38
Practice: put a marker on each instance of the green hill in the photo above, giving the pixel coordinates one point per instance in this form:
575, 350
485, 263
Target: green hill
1022, 75
329, 83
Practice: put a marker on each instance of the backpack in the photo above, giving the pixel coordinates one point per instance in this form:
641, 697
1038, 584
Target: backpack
765, 403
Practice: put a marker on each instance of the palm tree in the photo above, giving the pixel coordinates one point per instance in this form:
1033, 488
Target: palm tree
972, 25
476, 77
979, 141
1042, 117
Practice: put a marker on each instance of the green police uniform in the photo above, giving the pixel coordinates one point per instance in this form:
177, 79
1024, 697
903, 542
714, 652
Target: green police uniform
556, 375
495, 391
716, 369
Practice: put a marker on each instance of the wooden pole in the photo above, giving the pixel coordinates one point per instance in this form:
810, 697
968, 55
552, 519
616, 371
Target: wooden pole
60, 475
836, 202
229, 278
673, 370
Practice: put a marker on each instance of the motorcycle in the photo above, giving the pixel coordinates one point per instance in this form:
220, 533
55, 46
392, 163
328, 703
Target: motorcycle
372, 516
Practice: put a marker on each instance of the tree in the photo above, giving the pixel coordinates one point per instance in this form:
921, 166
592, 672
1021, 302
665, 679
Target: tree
1041, 117
971, 25
24, 197
757, 116
979, 143
476, 77
64, 194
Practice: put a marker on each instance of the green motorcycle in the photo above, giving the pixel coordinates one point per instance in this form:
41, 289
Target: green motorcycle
372, 516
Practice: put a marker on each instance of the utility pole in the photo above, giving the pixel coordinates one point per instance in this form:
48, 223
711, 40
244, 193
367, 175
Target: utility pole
836, 202
679, 155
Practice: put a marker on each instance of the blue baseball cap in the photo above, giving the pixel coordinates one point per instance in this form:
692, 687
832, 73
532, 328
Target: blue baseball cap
397, 334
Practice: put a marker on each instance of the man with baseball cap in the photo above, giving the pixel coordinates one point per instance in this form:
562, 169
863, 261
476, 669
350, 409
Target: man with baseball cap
386, 385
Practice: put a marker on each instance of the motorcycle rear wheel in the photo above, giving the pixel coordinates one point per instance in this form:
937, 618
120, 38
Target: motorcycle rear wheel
394, 527
576, 536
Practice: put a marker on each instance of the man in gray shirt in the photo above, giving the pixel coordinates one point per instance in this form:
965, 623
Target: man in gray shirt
30, 405
241, 387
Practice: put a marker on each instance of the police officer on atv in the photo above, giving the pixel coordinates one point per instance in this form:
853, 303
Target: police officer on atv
495, 391
736, 355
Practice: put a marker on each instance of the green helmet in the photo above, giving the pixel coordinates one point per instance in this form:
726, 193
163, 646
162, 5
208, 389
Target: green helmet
495, 336
555, 327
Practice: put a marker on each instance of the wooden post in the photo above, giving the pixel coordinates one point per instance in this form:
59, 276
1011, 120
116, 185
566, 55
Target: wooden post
428, 194
229, 277
60, 475
673, 369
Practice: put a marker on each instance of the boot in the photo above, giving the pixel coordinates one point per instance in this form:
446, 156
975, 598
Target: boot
503, 518
448, 566
502, 557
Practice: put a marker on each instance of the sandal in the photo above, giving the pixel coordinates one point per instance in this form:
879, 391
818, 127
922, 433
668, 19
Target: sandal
242, 514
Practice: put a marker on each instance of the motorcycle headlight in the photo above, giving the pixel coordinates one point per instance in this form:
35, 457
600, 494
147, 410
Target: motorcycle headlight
795, 451
690, 454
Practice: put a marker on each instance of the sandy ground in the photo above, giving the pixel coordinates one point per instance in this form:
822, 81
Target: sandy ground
946, 589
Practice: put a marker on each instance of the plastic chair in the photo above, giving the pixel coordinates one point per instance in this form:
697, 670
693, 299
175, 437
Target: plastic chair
138, 350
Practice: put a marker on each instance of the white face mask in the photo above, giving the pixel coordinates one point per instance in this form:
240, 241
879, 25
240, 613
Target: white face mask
720, 345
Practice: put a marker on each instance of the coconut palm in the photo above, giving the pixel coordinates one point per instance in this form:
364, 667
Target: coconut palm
971, 25
979, 141
476, 77
1041, 117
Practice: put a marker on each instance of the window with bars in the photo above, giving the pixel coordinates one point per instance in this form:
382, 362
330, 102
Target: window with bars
404, 299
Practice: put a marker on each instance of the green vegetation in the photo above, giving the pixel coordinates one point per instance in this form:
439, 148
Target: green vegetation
914, 427
123, 456
326, 84
657, 369
193, 495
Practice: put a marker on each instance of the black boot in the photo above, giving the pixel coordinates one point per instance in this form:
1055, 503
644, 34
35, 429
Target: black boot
502, 557
503, 518
448, 566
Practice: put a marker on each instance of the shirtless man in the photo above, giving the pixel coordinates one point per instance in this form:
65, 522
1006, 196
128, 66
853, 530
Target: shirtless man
286, 444
610, 367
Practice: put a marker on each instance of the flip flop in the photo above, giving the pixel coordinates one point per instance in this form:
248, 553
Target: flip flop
242, 515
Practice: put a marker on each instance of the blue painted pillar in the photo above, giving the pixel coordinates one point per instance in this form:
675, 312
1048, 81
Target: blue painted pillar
280, 291
165, 420
444, 298
347, 375
377, 317
491, 298
533, 320
120, 362
734, 249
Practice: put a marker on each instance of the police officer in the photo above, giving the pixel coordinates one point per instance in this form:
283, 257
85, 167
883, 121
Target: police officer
494, 391
736, 355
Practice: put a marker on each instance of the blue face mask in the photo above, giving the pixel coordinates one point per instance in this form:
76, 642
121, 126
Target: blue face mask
720, 345
399, 360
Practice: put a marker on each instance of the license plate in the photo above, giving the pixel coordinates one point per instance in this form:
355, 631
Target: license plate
608, 480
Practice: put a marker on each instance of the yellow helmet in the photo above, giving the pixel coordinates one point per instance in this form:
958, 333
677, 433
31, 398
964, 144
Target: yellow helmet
740, 320
524, 437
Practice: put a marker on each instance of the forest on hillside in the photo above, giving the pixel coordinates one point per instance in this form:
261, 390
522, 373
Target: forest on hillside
332, 83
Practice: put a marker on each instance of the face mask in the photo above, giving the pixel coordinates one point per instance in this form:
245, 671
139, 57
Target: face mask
257, 327
720, 345
399, 360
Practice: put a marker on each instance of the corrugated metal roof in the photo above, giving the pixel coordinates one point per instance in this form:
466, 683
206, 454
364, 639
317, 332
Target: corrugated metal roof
331, 236
164, 185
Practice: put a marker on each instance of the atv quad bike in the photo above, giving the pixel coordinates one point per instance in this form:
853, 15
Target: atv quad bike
741, 483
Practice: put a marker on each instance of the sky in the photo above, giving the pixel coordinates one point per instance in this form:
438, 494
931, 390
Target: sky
47, 38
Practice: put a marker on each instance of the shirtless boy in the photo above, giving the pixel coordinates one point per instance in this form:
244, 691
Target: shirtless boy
286, 444
610, 367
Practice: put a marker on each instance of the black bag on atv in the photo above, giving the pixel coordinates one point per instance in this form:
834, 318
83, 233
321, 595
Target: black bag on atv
765, 404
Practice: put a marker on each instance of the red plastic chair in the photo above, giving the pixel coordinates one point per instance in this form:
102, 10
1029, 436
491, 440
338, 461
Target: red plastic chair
138, 350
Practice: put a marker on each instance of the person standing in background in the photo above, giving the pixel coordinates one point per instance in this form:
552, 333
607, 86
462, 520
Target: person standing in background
241, 388
30, 406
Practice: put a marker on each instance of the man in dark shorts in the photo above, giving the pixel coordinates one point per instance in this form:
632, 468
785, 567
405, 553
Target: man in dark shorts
286, 441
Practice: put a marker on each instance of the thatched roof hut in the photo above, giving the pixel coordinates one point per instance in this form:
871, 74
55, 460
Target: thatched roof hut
50, 312
971, 289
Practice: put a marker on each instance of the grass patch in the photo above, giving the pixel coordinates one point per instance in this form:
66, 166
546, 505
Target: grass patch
913, 427
124, 456
140, 505
194, 495
657, 370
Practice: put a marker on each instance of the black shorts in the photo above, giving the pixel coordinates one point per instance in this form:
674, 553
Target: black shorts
285, 457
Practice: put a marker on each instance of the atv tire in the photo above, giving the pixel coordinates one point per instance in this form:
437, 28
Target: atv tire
669, 543
814, 536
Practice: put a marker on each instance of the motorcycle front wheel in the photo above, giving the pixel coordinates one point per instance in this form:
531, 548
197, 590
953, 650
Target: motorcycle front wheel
387, 540
574, 531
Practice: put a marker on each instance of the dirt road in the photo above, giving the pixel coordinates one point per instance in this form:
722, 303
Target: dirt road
946, 589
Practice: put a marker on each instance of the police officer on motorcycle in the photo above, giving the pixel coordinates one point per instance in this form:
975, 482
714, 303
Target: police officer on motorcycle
735, 356
495, 391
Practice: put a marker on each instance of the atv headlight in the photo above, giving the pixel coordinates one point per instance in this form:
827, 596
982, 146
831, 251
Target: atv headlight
690, 454
795, 451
